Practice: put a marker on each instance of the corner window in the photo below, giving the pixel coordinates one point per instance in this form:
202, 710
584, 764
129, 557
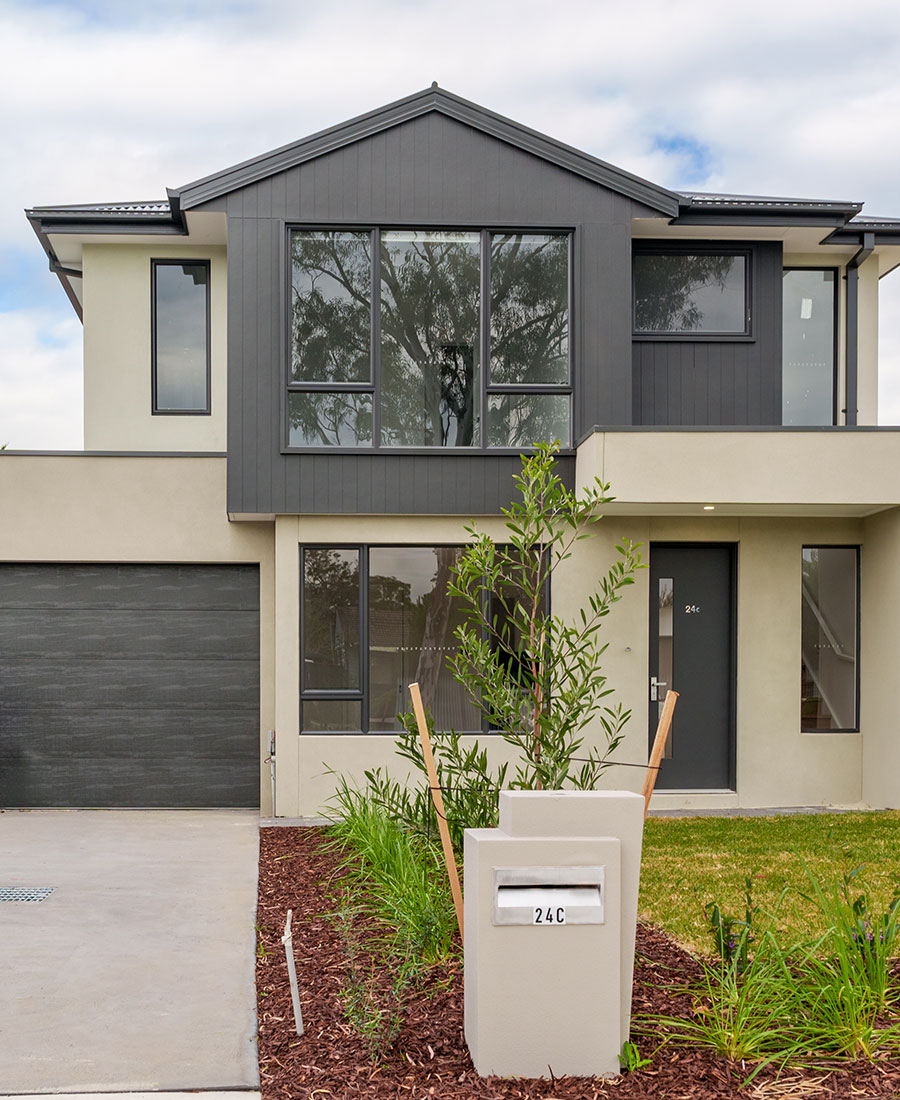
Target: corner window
373, 621
809, 346
829, 665
697, 293
180, 336
428, 339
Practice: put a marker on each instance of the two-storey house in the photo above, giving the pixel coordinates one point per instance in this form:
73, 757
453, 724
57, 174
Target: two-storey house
305, 373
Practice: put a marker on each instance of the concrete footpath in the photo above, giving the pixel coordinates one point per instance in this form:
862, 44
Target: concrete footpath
136, 973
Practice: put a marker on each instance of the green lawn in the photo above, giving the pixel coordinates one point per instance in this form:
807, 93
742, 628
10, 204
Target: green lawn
689, 862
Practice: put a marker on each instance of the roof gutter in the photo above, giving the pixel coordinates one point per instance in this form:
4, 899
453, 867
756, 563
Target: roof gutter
852, 357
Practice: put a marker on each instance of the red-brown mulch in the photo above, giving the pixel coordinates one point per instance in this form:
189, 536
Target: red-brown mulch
430, 1058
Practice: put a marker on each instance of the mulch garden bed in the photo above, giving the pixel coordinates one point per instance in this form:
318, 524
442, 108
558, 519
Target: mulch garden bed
430, 1058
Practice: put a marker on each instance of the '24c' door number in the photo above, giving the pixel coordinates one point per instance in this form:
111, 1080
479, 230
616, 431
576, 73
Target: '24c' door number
549, 914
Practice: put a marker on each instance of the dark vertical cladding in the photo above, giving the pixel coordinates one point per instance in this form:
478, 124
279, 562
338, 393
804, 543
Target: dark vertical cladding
430, 171
718, 382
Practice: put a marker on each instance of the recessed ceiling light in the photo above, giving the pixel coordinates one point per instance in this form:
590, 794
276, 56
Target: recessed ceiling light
709, 507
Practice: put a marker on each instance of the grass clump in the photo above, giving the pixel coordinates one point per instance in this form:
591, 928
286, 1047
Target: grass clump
820, 1000
395, 919
396, 875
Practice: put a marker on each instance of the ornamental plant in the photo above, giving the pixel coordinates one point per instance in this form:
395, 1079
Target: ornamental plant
534, 676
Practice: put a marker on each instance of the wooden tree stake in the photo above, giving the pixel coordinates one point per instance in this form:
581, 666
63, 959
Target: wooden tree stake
438, 799
659, 747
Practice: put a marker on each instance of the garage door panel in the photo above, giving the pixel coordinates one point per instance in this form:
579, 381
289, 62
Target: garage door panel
129, 685
61, 733
102, 782
182, 587
143, 633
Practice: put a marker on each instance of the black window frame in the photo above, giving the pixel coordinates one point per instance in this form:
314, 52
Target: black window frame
154, 405
841, 546
835, 394
373, 386
361, 694
698, 248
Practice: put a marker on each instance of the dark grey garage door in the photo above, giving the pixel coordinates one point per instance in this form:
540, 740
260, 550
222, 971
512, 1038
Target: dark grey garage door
129, 685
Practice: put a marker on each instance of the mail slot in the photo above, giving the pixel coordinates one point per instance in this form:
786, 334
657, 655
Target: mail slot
548, 896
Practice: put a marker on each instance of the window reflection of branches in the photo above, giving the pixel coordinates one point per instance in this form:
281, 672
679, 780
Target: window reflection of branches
681, 292
429, 338
430, 329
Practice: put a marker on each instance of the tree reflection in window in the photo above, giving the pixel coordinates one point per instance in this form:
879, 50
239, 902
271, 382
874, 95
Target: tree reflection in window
342, 419
529, 308
331, 307
429, 338
682, 292
429, 328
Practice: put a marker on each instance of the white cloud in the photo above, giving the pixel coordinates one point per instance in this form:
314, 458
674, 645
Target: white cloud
112, 101
40, 380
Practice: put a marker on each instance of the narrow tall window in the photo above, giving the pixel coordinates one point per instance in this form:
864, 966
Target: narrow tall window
180, 336
808, 346
829, 649
430, 315
330, 340
529, 339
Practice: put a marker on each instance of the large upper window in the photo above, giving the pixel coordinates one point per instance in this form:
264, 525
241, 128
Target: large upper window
681, 293
428, 338
180, 336
829, 650
808, 345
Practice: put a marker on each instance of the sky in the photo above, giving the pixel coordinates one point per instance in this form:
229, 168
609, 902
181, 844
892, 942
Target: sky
108, 100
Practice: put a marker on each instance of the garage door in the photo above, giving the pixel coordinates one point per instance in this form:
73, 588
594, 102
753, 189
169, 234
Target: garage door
129, 685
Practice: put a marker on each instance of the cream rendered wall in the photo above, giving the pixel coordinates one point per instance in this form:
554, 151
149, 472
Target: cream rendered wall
776, 764
86, 508
782, 471
880, 639
117, 384
813, 769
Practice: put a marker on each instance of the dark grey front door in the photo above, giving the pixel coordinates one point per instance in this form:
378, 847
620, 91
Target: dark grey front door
692, 652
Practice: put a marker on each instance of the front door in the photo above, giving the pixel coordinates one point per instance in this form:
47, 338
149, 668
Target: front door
692, 652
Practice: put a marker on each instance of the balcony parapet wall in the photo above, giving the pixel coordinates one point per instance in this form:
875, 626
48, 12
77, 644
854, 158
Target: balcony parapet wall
820, 472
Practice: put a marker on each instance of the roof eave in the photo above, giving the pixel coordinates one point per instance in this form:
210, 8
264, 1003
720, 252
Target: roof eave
760, 218
55, 266
851, 234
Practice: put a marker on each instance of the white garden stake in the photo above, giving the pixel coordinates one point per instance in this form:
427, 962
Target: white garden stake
288, 941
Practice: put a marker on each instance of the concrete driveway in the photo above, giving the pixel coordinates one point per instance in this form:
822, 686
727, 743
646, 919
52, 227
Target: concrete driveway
136, 972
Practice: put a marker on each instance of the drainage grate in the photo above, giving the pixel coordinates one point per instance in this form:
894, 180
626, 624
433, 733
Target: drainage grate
25, 893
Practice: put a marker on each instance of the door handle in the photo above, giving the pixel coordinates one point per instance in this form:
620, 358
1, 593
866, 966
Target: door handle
656, 686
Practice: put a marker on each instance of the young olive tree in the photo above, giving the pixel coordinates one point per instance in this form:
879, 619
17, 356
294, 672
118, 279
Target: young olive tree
535, 676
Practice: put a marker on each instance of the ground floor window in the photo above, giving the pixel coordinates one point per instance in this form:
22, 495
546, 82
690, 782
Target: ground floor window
374, 619
829, 666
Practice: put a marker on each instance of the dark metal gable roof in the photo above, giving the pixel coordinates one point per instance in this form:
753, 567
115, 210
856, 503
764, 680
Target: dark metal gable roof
414, 106
706, 200
92, 211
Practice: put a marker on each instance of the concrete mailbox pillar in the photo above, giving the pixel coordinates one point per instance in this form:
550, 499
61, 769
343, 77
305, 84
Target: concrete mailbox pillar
550, 914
